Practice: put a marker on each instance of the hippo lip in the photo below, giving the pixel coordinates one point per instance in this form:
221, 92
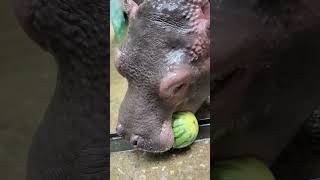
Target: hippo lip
149, 151
166, 132
152, 151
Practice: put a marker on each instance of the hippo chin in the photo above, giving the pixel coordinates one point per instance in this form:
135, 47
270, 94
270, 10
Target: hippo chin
166, 61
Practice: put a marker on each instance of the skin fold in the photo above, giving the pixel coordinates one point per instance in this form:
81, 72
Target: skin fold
263, 81
71, 141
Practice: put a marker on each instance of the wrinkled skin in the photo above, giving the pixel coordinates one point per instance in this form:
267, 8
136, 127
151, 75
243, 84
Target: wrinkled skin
71, 141
165, 59
264, 82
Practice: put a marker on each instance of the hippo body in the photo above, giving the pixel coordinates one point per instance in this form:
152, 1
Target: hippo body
72, 140
265, 83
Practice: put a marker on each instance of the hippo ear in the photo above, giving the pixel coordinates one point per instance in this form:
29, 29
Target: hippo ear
174, 86
130, 8
201, 20
206, 12
206, 16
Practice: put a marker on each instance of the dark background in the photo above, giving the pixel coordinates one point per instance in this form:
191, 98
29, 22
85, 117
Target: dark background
27, 80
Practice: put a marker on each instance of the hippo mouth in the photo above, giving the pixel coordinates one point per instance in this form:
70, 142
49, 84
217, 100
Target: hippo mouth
166, 140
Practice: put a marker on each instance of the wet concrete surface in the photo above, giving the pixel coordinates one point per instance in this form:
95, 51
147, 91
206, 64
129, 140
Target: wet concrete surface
27, 81
190, 163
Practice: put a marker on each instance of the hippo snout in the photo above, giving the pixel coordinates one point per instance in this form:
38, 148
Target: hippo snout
150, 143
133, 139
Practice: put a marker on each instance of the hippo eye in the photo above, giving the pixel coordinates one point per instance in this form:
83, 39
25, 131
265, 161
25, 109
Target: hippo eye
174, 86
175, 93
179, 87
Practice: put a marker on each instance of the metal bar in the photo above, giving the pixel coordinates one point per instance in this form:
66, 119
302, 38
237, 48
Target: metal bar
118, 144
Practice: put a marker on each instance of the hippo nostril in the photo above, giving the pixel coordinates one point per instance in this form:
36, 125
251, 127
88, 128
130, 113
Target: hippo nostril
134, 140
120, 130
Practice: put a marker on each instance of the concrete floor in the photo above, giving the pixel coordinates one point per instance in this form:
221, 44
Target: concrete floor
27, 80
192, 163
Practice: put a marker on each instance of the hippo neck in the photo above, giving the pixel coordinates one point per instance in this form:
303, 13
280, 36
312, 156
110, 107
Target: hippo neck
81, 96
75, 34
76, 120
78, 80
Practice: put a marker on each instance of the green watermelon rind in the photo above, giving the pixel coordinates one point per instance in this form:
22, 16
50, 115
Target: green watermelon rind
182, 135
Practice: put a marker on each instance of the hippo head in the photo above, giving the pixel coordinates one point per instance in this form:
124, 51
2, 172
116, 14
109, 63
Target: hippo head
165, 59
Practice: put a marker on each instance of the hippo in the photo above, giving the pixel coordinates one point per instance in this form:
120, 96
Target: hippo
71, 141
165, 58
265, 86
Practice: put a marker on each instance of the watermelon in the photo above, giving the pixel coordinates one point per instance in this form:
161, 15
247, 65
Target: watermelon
185, 129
